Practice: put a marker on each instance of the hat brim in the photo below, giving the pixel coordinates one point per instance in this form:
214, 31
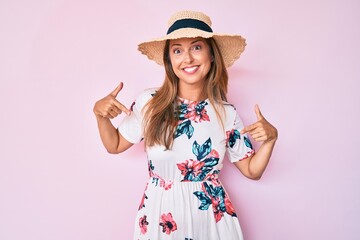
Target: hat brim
231, 46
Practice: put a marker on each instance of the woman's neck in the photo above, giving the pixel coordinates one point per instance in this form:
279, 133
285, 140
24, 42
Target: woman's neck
192, 92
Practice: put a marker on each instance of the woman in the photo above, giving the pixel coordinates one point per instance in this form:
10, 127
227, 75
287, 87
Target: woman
188, 127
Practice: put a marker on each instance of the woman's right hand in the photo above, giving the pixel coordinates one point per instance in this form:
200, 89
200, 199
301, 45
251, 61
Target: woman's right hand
109, 107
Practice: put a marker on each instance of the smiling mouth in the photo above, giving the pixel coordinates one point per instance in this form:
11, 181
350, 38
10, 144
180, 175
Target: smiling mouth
191, 69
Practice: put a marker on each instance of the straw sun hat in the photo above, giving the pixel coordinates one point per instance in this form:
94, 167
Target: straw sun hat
191, 24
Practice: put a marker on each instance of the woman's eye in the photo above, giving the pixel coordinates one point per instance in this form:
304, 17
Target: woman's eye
177, 51
197, 47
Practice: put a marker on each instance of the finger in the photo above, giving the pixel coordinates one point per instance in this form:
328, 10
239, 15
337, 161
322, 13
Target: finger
117, 90
248, 128
257, 135
112, 110
121, 107
260, 139
107, 115
113, 113
256, 132
116, 109
258, 113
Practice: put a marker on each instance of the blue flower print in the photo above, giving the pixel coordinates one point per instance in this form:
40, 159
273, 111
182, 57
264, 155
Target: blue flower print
217, 197
232, 136
184, 127
199, 169
248, 143
189, 112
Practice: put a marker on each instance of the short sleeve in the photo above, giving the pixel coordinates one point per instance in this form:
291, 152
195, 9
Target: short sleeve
131, 127
238, 146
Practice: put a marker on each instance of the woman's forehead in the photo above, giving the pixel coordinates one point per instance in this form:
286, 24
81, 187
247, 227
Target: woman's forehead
182, 41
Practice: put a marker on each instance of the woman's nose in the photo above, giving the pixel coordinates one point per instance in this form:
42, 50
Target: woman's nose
188, 58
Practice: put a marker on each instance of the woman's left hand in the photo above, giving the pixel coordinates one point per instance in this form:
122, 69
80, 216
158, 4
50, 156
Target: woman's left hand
262, 130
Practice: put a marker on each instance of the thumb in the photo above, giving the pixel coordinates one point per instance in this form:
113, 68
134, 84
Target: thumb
258, 113
117, 90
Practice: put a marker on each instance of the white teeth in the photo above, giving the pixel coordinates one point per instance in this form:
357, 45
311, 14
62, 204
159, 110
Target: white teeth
191, 69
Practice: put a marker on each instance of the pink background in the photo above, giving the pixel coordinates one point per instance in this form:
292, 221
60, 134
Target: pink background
58, 57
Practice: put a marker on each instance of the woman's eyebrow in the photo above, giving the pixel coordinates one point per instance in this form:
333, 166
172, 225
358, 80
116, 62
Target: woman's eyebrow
197, 40
179, 44
175, 44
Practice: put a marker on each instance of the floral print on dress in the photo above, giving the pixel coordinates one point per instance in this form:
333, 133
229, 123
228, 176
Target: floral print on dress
142, 203
167, 223
194, 111
143, 224
132, 106
231, 137
188, 112
248, 143
217, 197
191, 174
157, 180
198, 170
234, 135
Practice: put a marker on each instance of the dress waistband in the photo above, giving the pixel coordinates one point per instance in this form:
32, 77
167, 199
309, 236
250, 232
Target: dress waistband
187, 178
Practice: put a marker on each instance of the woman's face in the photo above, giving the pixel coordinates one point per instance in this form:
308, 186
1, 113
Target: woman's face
190, 59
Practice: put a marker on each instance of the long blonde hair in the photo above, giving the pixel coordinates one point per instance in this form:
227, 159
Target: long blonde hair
161, 118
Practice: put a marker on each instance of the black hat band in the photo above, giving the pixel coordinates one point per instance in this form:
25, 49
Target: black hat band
189, 23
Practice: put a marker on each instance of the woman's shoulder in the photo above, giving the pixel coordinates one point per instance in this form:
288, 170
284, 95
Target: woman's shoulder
147, 93
230, 113
229, 106
144, 96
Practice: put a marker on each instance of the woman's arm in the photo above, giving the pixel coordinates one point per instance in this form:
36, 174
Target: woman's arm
262, 131
106, 109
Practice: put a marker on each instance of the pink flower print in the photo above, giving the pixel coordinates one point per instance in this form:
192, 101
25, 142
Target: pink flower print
229, 207
190, 169
196, 112
167, 223
143, 224
213, 154
213, 178
142, 203
248, 154
228, 133
216, 208
166, 184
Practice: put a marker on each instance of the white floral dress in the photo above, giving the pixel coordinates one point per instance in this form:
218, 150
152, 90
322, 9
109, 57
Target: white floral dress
184, 198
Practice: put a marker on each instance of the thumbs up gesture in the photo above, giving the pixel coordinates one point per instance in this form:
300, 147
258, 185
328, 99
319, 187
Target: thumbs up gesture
262, 130
109, 107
